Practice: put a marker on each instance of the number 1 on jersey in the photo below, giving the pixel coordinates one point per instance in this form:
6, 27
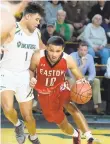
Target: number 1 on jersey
26, 56
50, 81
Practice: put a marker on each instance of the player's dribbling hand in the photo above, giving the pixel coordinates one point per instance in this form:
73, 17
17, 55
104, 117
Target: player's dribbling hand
33, 82
83, 80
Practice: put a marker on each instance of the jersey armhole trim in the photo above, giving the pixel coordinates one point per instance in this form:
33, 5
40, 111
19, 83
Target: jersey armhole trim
17, 28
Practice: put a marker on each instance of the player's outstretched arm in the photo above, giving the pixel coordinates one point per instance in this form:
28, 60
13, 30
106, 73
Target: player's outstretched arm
16, 7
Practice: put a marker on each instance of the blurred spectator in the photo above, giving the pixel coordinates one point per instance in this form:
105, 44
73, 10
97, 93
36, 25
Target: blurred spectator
86, 64
107, 74
106, 85
75, 16
95, 36
61, 27
42, 3
86, 6
51, 9
108, 36
48, 32
102, 8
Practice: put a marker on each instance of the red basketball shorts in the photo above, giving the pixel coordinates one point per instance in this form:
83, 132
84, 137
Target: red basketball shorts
52, 104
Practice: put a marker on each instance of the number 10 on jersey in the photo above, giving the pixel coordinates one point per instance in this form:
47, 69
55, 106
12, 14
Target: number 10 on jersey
50, 82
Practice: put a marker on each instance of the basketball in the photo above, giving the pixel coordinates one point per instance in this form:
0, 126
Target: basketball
81, 93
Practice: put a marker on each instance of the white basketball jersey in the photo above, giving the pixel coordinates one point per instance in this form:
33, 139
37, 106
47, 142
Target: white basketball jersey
20, 50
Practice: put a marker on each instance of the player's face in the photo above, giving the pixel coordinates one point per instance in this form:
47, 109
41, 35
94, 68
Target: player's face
33, 21
83, 50
54, 52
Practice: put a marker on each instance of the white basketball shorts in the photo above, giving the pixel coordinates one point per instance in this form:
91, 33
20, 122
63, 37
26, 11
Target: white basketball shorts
17, 82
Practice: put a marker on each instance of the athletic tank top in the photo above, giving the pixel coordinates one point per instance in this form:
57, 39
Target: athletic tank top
20, 50
50, 76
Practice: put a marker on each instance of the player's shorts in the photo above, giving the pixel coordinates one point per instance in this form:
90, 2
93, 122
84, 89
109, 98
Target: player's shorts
52, 104
17, 82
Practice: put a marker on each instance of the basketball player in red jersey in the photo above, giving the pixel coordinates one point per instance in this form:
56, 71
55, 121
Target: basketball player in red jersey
54, 92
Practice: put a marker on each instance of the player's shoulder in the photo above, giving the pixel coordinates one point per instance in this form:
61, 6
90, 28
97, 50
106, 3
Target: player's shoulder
69, 59
36, 55
37, 31
39, 53
42, 53
65, 55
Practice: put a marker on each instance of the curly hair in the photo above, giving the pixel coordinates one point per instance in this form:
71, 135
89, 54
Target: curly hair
34, 7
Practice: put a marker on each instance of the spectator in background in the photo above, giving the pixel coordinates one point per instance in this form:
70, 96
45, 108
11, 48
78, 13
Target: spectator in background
75, 16
42, 3
106, 85
51, 9
95, 36
86, 64
102, 8
86, 6
107, 74
61, 27
48, 31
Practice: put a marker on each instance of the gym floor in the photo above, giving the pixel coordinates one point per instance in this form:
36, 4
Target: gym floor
49, 133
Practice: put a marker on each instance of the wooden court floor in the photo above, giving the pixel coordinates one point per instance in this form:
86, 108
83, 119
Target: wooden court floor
53, 136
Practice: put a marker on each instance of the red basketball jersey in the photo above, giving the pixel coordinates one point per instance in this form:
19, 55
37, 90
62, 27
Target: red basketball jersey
50, 76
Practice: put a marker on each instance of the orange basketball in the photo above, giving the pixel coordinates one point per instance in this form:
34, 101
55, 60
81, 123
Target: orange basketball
81, 93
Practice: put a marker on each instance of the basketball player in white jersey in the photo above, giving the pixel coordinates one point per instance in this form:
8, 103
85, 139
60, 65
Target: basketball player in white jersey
14, 72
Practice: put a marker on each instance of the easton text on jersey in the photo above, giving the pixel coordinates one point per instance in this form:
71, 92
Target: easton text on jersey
52, 72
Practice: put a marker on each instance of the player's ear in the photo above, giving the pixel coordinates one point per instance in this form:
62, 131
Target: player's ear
27, 16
